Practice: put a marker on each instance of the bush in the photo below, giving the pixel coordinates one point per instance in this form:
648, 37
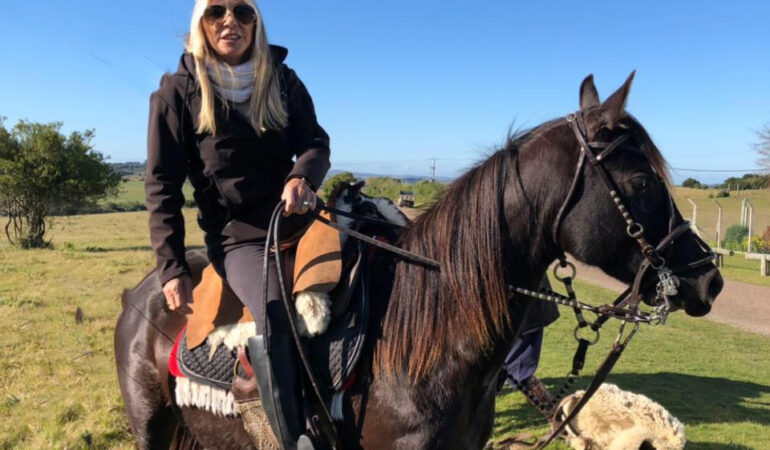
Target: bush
720, 194
735, 237
385, 187
426, 192
693, 183
328, 186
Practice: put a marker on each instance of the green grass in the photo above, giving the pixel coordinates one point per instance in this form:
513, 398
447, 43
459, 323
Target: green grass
58, 384
731, 209
738, 268
132, 191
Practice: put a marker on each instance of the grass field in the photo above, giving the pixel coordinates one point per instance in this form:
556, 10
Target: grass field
133, 191
731, 209
58, 385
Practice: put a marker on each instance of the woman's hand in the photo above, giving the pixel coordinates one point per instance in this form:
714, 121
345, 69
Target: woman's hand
299, 197
178, 292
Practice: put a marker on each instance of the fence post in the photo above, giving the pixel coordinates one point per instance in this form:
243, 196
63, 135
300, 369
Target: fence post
750, 219
719, 225
694, 214
763, 266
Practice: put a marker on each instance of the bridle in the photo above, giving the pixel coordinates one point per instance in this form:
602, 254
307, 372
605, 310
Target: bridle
596, 153
626, 306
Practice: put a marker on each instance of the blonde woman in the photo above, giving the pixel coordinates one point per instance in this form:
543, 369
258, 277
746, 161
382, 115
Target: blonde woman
231, 119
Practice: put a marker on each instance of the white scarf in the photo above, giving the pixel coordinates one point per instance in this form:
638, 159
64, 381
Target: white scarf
236, 85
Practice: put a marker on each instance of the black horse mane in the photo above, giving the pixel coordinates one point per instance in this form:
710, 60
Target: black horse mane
464, 232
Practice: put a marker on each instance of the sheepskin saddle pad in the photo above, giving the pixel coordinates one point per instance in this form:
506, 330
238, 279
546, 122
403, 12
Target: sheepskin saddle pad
614, 419
331, 293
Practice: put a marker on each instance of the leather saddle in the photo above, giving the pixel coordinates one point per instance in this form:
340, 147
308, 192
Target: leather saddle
323, 261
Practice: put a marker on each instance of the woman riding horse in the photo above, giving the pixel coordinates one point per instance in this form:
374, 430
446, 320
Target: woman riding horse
231, 119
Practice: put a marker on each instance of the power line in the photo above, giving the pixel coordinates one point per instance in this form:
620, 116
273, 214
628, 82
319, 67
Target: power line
678, 169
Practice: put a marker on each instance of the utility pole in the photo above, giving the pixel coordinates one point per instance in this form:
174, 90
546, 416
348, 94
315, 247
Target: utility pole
433, 171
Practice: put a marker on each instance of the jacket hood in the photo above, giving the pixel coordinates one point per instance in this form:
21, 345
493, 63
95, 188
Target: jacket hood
187, 62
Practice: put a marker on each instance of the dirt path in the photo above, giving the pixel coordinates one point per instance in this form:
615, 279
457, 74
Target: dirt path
742, 305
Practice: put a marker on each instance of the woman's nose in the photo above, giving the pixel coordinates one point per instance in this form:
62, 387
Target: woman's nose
229, 18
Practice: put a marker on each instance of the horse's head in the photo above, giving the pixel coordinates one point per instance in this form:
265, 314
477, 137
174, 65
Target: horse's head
618, 207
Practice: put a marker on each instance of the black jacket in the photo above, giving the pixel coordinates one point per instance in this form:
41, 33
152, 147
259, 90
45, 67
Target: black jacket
237, 175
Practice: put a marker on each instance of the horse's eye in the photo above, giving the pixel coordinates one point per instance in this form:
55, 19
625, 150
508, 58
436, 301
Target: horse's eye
640, 184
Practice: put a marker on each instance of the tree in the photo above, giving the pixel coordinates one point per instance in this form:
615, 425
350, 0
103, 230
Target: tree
763, 147
328, 186
385, 187
42, 171
692, 183
426, 192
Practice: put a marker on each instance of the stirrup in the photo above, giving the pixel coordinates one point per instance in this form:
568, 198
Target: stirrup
276, 381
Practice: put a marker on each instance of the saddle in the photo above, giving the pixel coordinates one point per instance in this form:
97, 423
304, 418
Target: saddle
324, 262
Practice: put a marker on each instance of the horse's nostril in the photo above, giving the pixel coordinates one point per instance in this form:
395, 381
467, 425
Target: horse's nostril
715, 286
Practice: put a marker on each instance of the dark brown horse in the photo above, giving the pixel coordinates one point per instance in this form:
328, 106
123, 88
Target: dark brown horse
429, 374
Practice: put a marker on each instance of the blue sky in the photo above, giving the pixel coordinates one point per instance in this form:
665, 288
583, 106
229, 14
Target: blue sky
398, 83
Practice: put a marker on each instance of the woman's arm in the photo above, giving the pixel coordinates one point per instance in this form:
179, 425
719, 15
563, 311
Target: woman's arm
166, 172
307, 139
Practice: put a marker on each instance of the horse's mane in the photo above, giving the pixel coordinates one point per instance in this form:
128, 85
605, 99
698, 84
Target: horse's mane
464, 232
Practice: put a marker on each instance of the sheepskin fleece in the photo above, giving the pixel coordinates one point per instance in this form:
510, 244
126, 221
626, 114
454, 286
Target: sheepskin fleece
619, 420
314, 312
231, 336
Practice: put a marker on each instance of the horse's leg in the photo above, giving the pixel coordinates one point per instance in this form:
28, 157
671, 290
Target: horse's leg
141, 339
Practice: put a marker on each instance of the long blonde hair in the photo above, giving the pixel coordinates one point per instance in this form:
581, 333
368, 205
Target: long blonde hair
266, 110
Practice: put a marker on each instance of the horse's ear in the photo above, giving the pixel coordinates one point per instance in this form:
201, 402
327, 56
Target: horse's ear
614, 108
588, 95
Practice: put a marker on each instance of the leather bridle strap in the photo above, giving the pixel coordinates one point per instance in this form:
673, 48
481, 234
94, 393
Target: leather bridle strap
407, 255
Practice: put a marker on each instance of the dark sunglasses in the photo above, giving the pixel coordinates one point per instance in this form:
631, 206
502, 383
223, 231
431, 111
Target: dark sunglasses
244, 14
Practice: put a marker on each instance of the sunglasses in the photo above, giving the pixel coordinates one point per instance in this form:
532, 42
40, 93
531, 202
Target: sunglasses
244, 14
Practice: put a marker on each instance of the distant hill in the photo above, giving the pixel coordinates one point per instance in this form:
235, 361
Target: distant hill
404, 178
129, 169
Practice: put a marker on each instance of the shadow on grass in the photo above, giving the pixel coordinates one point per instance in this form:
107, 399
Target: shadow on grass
714, 446
692, 399
696, 399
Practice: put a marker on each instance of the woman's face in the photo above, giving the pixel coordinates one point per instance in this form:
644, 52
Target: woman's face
229, 29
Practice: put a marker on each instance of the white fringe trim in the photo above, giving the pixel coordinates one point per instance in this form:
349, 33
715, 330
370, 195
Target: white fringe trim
217, 401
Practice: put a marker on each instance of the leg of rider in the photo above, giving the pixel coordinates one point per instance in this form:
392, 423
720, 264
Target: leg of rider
523, 358
520, 366
276, 370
